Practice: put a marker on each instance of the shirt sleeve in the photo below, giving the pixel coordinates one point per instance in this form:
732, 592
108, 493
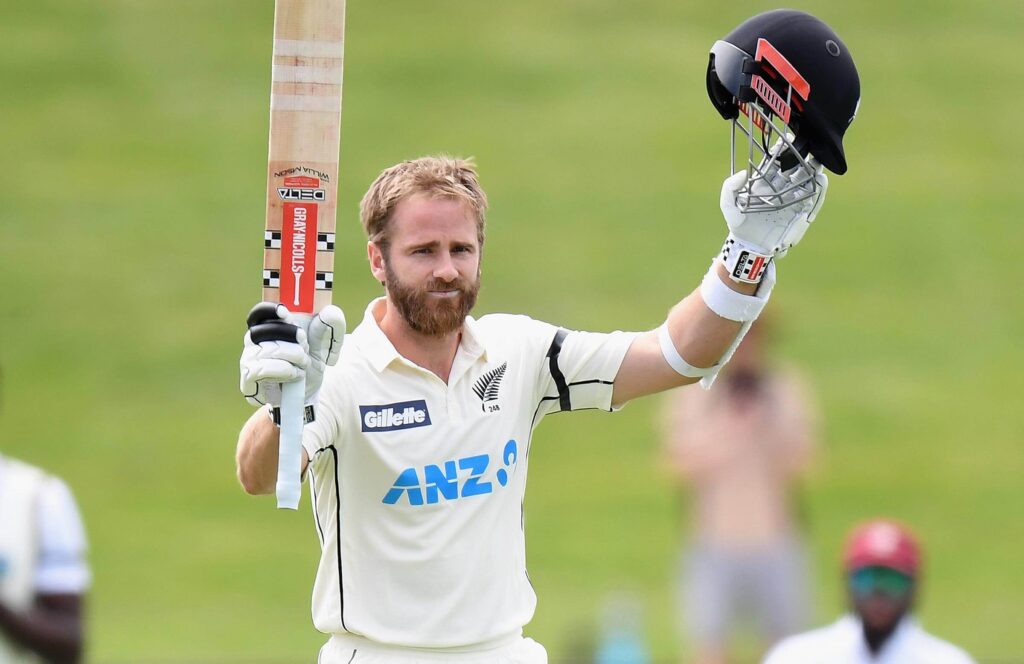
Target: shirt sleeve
579, 368
325, 429
62, 567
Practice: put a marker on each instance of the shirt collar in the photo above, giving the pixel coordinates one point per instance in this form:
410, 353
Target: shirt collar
381, 352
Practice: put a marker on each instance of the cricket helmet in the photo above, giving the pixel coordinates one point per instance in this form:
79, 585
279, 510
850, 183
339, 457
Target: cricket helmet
882, 543
787, 81
808, 67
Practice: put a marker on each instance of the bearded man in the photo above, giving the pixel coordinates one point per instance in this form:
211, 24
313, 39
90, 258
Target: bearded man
417, 455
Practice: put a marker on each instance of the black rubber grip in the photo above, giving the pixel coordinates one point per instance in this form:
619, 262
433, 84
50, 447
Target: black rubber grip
279, 331
263, 312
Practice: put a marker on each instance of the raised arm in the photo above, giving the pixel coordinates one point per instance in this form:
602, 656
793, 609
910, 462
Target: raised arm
276, 351
698, 334
703, 329
789, 106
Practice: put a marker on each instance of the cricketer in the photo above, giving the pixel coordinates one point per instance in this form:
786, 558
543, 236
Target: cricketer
419, 444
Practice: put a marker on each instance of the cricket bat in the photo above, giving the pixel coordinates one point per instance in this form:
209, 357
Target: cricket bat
302, 188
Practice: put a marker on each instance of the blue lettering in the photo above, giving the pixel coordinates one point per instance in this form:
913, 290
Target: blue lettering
447, 482
511, 453
408, 481
509, 456
477, 465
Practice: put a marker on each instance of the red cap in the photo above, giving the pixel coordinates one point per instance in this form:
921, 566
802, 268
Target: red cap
882, 543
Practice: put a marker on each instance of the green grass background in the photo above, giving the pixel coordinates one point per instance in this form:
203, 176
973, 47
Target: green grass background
133, 148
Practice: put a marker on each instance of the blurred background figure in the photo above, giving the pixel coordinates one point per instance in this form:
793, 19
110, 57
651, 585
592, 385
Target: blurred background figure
621, 636
739, 450
882, 569
43, 573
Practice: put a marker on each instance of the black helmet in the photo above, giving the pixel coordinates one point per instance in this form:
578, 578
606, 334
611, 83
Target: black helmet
790, 65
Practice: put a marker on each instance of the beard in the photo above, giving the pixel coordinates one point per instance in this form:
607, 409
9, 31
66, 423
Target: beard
428, 315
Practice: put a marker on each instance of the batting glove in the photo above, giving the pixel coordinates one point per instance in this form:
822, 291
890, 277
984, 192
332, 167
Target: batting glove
756, 237
278, 348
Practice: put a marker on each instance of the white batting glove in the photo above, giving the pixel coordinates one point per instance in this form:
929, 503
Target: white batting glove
756, 237
278, 349
325, 335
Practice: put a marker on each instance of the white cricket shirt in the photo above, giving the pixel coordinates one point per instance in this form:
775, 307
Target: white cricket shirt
425, 547
842, 642
53, 531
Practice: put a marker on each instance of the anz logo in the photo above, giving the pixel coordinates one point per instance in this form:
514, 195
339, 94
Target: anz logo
451, 480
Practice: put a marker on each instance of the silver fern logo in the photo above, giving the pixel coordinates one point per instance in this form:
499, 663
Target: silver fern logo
487, 386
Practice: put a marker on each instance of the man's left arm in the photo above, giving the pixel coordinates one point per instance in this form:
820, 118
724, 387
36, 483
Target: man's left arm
702, 330
697, 334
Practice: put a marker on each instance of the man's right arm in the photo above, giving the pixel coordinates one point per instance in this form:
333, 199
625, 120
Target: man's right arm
275, 351
256, 454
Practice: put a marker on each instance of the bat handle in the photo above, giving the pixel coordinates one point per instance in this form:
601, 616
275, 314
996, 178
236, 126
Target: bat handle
289, 459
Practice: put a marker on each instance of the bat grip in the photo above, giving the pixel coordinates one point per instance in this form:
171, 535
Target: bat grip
289, 459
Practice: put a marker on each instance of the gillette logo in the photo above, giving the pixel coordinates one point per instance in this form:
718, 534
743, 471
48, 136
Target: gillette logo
394, 416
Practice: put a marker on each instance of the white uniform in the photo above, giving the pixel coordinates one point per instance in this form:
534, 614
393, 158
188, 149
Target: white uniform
42, 543
843, 643
430, 552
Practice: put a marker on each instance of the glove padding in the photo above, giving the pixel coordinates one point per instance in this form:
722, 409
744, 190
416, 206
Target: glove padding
773, 232
279, 349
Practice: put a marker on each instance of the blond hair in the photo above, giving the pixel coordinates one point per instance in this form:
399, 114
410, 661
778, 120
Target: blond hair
438, 177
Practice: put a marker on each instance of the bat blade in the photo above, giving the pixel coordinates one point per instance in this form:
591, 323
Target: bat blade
302, 186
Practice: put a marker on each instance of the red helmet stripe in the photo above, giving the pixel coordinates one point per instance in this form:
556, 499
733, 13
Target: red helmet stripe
768, 53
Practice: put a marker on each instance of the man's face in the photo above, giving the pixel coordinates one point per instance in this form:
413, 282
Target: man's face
880, 596
432, 264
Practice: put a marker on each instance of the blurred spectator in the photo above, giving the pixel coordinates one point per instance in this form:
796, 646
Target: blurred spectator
43, 573
882, 569
740, 448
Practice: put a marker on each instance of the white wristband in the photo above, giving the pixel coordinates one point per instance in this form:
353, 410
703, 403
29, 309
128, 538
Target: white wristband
675, 360
730, 304
308, 414
738, 307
